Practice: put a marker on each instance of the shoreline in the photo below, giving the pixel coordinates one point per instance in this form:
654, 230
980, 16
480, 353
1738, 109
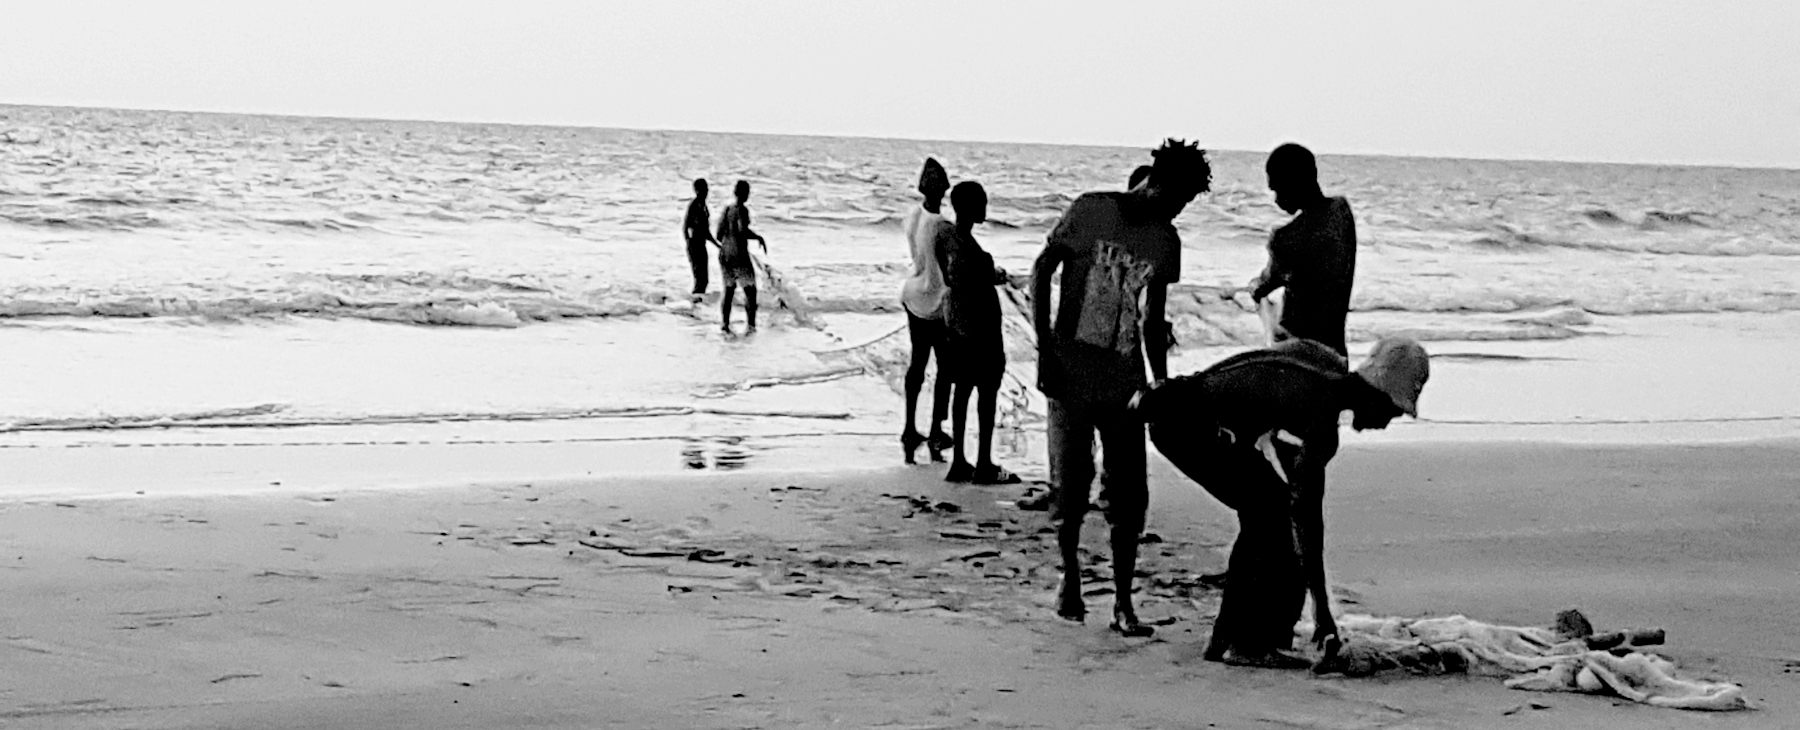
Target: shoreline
277, 463
480, 605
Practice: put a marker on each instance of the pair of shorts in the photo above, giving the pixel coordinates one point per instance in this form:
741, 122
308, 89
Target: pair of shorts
980, 363
1071, 430
926, 335
741, 277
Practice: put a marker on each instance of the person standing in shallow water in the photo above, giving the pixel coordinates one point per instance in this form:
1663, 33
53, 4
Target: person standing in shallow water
1313, 256
976, 348
1113, 250
735, 269
923, 298
696, 229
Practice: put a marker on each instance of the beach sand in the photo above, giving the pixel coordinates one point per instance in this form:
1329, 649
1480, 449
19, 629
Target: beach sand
761, 599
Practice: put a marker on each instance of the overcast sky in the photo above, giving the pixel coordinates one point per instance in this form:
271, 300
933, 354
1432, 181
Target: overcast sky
1646, 81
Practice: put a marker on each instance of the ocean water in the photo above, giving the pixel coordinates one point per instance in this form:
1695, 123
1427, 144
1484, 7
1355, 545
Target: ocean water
173, 279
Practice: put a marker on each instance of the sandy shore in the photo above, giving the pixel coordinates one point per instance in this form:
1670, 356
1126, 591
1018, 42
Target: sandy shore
783, 600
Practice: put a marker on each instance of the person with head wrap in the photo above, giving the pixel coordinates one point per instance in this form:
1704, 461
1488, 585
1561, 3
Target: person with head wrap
1312, 256
1115, 253
922, 295
1256, 431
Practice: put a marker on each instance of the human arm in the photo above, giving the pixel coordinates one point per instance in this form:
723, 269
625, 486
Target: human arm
750, 235
1274, 275
1155, 330
1043, 272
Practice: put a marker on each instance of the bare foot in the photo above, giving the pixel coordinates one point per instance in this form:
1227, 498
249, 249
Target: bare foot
1265, 660
1070, 607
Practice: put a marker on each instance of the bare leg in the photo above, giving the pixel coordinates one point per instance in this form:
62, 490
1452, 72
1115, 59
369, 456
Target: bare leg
1071, 439
1124, 564
1309, 523
1129, 500
725, 304
987, 401
940, 399
941, 392
1069, 604
960, 469
750, 306
915, 378
1309, 518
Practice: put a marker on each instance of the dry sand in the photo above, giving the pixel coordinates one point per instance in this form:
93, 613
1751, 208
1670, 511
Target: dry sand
780, 600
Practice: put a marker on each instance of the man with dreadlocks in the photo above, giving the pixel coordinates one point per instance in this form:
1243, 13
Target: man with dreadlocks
1114, 250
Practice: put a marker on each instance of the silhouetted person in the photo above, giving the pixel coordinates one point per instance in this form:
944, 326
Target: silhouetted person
1313, 255
1137, 176
735, 268
1257, 430
1113, 250
696, 229
923, 297
977, 349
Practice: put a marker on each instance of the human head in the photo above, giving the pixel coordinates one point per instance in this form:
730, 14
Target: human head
933, 181
1178, 172
741, 190
700, 186
969, 201
1293, 176
1137, 176
1398, 367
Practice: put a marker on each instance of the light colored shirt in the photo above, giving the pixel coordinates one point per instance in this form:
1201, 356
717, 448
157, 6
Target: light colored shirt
923, 292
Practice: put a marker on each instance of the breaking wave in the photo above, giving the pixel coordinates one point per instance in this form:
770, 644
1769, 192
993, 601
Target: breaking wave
1689, 236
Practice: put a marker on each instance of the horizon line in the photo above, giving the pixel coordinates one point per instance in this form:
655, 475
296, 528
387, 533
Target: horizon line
548, 125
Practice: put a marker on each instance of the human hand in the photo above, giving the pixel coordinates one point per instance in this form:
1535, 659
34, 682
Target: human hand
1050, 375
1326, 630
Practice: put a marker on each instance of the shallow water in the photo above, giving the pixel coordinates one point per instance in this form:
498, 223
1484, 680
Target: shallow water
215, 279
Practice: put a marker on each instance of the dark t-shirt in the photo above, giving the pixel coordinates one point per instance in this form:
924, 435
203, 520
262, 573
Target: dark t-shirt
971, 306
1108, 256
1314, 256
1293, 385
698, 218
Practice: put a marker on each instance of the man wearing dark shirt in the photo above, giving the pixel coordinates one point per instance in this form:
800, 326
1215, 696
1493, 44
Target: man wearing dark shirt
1113, 250
1256, 430
696, 230
1313, 256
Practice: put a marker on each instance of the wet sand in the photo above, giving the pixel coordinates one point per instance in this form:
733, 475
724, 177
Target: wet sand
757, 599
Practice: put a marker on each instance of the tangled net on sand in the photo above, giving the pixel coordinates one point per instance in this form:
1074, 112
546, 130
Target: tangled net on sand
1571, 658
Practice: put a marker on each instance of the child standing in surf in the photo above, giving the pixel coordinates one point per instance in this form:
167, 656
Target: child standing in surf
735, 268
